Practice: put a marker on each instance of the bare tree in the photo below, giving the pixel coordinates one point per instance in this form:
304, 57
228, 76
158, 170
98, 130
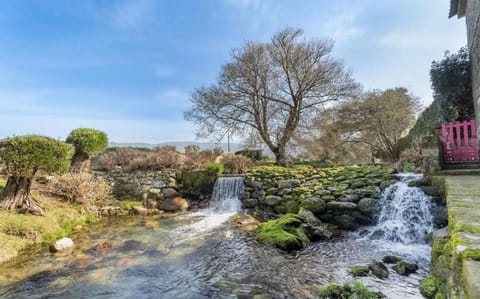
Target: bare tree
270, 88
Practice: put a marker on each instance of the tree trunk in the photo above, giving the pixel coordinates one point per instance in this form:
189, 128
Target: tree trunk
16, 195
280, 156
80, 164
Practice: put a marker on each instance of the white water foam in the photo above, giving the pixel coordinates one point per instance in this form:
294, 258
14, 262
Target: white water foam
223, 205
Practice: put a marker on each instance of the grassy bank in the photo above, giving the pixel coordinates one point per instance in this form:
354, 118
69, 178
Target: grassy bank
19, 231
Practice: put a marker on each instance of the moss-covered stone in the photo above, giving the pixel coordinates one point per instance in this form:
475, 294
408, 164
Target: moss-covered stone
348, 290
292, 206
429, 287
314, 204
285, 232
387, 183
359, 271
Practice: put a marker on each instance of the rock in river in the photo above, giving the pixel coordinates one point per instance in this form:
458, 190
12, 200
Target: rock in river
61, 244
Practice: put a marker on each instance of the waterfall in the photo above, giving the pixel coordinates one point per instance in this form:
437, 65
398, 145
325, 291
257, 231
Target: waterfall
404, 213
225, 194
222, 206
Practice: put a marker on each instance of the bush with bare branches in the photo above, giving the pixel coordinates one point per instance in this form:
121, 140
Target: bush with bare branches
236, 164
80, 188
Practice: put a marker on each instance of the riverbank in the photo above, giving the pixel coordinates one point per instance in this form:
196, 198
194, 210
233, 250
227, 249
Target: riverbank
456, 251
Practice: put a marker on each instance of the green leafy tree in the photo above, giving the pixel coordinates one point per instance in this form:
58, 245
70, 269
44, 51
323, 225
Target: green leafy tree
24, 157
451, 80
270, 89
87, 142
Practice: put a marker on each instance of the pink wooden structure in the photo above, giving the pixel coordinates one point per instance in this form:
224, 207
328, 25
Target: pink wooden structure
459, 142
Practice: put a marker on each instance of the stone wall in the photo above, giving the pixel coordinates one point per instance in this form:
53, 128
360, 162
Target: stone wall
473, 36
137, 185
345, 197
158, 188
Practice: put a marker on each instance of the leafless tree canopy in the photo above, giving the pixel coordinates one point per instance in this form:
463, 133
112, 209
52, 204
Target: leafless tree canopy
270, 88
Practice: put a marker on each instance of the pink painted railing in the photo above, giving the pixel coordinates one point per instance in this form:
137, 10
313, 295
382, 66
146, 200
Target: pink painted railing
459, 142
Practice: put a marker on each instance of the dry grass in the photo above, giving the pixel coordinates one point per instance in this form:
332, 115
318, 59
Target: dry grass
19, 231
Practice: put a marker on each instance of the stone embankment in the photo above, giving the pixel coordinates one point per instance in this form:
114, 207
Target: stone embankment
456, 251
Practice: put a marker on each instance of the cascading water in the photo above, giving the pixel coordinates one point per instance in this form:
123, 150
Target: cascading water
405, 214
223, 204
225, 194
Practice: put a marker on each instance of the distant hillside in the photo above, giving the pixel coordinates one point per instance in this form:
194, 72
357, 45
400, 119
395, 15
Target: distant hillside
180, 145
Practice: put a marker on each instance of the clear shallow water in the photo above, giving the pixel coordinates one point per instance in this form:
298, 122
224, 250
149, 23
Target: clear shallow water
197, 255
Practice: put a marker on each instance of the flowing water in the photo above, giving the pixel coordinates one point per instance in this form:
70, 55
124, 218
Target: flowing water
198, 255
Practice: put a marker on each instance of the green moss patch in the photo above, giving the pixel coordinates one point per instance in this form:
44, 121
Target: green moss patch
348, 291
285, 232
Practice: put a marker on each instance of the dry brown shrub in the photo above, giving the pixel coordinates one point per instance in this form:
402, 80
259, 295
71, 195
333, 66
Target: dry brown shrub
236, 164
81, 187
197, 159
121, 157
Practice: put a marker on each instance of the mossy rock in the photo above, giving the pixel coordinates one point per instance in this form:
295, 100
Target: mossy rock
357, 184
429, 287
328, 198
292, 206
387, 183
359, 271
314, 204
345, 221
284, 233
347, 291
280, 209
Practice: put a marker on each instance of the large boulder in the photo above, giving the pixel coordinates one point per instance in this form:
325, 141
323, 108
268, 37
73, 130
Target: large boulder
258, 194
314, 204
341, 206
284, 184
250, 203
273, 200
61, 244
285, 232
174, 204
314, 228
367, 205
170, 193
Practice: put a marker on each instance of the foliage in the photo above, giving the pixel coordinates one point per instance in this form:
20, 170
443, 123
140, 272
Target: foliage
451, 80
270, 88
348, 291
87, 142
217, 167
80, 188
236, 164
372, 126
198, 181
24, 156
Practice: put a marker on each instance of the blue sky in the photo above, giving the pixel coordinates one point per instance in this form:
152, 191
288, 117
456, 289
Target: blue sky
128, 67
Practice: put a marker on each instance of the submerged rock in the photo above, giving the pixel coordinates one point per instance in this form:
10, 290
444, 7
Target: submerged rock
244, 222
61, 244
99, 249
391, 259
404, 268
132, 245
359, 271
379, 270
